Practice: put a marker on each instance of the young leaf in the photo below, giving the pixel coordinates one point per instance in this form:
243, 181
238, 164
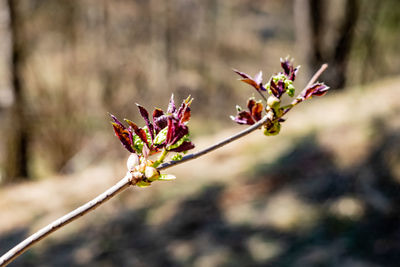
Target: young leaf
256, 82
123, 135
166, 177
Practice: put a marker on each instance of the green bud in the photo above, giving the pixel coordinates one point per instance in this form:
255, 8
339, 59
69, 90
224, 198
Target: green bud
177, 157
271, 130
143, 184
290, 90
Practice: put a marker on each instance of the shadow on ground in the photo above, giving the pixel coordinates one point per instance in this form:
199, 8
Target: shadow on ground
302, 210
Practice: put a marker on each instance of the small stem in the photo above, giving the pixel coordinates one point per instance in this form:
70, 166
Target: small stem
313, 79
160, 158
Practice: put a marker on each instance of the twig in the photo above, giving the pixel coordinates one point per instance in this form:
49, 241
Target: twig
120, 186
315, 77
240, 134
216, 146
123, 184
66, 219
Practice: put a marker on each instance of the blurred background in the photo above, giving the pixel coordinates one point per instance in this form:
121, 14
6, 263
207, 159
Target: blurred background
325, 192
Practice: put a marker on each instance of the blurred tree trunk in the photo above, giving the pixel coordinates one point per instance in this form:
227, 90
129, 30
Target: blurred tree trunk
16, 163
208, 52
310, 19
104, 46
343, 45
370, 42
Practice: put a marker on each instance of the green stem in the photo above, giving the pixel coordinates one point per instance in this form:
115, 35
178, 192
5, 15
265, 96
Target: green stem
160, 158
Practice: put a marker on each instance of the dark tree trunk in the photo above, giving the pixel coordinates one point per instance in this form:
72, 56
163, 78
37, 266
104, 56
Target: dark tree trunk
312, 29
16, 163
343, 44
317, 21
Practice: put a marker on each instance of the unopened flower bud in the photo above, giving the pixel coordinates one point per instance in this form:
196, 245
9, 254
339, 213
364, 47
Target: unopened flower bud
132, 162
151, 173
273, 102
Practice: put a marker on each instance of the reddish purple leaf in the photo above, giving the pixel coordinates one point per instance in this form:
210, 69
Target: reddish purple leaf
157, 113
116, 120
256, 82
277, 89
170, 132
183, 113
145, 116
243, 117
256, 111
288, 69
171, 106
183, 147
123, 135
258, 78
176, 131
138, 131
317, 89
249, 117
159, 120
250, 103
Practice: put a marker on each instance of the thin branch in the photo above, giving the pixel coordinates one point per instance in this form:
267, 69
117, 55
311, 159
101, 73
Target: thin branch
66, 219
240, 134
315, 77
123, 184
120, 186
216, 146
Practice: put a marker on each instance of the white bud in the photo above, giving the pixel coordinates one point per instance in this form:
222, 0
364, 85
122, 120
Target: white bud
273, 101
151, 173
132, 162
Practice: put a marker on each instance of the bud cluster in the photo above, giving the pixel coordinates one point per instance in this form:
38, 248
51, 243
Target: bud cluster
277, 86
144, 172
168, 132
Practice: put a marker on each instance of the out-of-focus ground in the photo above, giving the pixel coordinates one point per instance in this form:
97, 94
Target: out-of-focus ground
324, 192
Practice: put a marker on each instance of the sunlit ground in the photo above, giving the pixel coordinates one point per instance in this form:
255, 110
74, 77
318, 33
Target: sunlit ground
325, 192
